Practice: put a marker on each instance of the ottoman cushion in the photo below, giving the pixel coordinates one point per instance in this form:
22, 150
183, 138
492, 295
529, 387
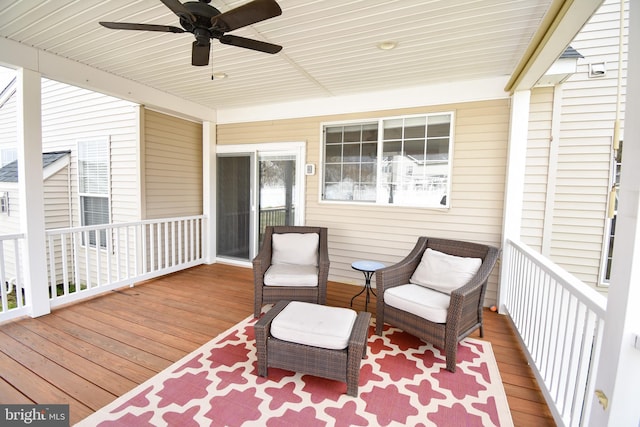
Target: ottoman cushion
314, 325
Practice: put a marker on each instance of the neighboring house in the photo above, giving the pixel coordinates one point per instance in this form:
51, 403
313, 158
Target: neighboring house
57, 201
96, 174
571, 165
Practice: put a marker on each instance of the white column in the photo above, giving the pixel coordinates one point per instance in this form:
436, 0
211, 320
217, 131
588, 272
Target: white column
514, 186
209, 190
619, 363
31, 190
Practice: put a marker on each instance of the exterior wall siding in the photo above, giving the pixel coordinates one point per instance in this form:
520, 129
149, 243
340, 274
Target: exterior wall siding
388, 233
584, 157
172, 166
70, 113
537, 167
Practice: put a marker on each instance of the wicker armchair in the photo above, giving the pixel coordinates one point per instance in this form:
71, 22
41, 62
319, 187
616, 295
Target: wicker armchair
274, 292
465, 306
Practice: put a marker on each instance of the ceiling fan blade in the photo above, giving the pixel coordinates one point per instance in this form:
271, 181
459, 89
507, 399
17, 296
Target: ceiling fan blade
250, 44
200, 54
179, 9
141, 27
247, 14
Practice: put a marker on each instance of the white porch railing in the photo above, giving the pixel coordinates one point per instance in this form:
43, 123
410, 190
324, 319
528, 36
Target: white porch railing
12, 296
86, 261
560, 323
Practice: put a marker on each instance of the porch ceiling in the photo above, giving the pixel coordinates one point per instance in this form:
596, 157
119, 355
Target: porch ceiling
329, 45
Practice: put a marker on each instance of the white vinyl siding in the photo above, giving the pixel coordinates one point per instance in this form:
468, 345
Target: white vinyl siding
172, 166
70, 113
388, 233
581, 169
585, 153
8, 127
537, 167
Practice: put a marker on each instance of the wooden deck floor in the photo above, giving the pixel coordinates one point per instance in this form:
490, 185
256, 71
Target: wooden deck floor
89, 353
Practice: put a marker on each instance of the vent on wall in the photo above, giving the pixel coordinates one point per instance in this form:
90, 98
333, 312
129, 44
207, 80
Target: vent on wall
4, 203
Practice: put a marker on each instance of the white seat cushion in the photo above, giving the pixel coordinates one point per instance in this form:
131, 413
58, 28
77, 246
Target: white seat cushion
444, 272
315, 325
423, 302
291, 275
295, 248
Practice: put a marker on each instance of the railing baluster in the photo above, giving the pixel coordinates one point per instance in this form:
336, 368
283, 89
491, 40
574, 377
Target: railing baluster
3, 280
65, 263
104, 257
559, 321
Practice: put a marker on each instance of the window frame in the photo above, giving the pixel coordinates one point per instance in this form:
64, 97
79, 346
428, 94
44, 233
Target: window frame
380, 184
84, 194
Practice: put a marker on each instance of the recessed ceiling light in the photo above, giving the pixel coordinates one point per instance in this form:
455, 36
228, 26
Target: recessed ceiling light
218, 76
388, 45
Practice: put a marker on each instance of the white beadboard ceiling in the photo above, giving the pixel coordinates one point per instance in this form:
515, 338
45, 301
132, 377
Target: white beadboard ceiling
329, 45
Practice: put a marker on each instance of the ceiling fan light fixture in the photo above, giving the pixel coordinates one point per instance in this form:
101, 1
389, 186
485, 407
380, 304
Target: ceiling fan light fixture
387, 45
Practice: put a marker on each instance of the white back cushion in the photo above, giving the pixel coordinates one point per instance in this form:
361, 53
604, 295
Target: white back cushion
443, 272
295, 248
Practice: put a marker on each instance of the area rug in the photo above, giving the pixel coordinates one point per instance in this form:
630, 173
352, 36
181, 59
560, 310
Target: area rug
403, 382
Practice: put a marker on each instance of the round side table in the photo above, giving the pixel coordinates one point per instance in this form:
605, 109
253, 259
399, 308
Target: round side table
367, 268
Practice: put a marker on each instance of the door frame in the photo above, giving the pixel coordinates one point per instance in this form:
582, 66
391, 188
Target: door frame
292, 148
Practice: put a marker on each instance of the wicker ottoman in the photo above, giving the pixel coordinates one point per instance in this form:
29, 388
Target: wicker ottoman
340, 364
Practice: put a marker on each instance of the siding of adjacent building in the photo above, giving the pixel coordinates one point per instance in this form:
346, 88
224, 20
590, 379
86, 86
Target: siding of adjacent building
537, 167
69, 114
581, 169
172, 166
388, 233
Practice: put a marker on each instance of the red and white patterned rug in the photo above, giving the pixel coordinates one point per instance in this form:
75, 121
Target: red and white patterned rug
402, 382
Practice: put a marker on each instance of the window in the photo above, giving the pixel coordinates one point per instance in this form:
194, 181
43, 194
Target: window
396, 161
8, 155
93, 185
608, 252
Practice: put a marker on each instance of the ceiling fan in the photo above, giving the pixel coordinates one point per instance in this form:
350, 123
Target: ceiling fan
206, 22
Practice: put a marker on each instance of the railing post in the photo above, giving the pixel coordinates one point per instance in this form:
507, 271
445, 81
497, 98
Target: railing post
514, 187
31, 191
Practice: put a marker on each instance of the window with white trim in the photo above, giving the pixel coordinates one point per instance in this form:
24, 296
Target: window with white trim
93, 186
401, 161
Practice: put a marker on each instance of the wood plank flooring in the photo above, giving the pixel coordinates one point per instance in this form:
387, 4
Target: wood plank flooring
88, 354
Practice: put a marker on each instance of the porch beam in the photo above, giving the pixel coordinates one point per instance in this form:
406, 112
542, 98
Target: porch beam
564, 19
16, 55
618, 373
31, 190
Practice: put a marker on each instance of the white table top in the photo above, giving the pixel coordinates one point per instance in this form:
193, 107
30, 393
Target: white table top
364, 265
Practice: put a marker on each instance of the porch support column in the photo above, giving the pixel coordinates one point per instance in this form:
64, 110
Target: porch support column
209, 190
514, 186
30, 184
619, 362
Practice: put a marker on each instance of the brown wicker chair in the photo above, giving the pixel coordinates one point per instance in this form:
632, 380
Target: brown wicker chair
272, 294
464, 314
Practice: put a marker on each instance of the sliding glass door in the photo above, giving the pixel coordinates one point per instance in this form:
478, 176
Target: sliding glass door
277, 201
234, 205
256, 188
